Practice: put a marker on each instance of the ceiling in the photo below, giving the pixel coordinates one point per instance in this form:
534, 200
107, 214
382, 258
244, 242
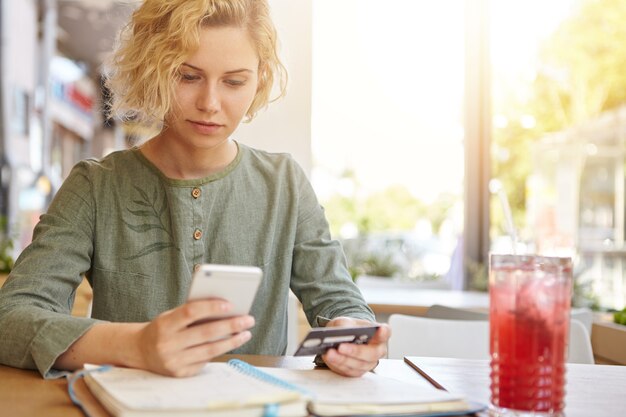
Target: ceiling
87, 28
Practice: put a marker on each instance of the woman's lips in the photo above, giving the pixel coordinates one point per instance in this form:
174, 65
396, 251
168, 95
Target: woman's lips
205, 127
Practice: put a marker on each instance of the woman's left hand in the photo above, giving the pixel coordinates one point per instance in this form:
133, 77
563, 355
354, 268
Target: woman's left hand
354, 360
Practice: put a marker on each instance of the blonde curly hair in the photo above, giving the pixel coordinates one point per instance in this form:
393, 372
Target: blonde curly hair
143, 69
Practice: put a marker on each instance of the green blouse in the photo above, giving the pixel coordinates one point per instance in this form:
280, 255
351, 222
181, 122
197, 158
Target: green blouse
136, 235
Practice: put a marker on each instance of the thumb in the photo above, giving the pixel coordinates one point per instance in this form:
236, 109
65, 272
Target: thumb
382, 335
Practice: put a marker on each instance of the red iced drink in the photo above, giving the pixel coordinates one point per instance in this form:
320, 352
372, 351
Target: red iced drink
530, 300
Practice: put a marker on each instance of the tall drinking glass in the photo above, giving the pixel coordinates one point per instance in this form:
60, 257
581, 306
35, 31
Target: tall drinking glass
530, 300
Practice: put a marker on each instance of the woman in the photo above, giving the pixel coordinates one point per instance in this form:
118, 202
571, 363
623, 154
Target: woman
139, 221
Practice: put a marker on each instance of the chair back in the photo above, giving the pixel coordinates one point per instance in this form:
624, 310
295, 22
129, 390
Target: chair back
580, 350
438, 311
583, 315
464, 339
422, 336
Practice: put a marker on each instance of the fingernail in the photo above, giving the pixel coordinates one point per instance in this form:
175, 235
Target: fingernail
245, 336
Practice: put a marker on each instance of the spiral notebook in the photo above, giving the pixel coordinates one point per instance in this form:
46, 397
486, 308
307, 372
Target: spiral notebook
237, 388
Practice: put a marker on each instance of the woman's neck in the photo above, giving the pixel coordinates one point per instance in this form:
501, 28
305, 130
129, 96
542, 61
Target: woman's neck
176, 161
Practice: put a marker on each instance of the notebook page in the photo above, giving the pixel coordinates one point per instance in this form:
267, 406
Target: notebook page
217, 386
328, 387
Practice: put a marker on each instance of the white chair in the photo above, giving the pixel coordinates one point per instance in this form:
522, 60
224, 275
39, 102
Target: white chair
580, 350
421, 336
463, 339
583, 315
293, 308
437, 311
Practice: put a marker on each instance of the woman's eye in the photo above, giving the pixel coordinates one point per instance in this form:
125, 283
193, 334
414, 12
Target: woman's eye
189, 77
235, 83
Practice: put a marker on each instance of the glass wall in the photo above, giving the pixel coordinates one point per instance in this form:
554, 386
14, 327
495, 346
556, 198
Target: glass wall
388, 133
559, 126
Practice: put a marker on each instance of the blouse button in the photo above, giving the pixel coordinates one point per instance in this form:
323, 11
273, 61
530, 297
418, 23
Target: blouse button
196, 267
195, 193
197, 234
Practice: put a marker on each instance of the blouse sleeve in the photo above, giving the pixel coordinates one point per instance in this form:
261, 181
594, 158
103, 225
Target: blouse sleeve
320, 277
37, 298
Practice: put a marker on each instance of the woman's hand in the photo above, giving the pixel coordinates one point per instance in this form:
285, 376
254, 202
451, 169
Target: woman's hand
172, 344
354, 360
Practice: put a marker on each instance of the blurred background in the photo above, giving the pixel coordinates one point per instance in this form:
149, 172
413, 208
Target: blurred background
421, 124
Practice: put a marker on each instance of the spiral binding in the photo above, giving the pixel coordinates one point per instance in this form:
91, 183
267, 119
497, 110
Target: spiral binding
270, 410
252, 371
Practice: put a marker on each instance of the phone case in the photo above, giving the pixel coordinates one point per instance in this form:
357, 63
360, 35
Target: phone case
236, 284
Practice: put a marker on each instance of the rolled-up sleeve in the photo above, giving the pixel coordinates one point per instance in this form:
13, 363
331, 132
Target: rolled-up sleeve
36, 300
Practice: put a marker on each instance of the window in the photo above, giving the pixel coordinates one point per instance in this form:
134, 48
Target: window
559, 92
389, 141
387, 132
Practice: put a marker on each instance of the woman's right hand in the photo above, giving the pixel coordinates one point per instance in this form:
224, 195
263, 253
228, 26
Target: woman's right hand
172, 344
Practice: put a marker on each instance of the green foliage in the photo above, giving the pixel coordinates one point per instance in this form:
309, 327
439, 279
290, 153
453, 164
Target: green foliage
376, 218
581, 75
583, 294
375, 265
365, 260
6, 246
588, 53
619, 317
392, 209
479, 275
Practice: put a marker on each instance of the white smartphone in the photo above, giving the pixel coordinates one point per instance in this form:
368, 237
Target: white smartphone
235, 284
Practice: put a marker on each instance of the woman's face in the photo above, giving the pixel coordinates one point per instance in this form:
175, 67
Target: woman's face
216, 86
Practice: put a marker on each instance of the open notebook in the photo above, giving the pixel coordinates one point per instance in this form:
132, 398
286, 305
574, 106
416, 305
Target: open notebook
223, 389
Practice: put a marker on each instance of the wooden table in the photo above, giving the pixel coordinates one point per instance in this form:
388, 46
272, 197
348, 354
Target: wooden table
592, 390
25, 393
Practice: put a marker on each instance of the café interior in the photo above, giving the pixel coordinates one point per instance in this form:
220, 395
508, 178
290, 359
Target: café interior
501, 125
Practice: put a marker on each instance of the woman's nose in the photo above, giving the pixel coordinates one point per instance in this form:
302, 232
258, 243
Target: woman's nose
209, 100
